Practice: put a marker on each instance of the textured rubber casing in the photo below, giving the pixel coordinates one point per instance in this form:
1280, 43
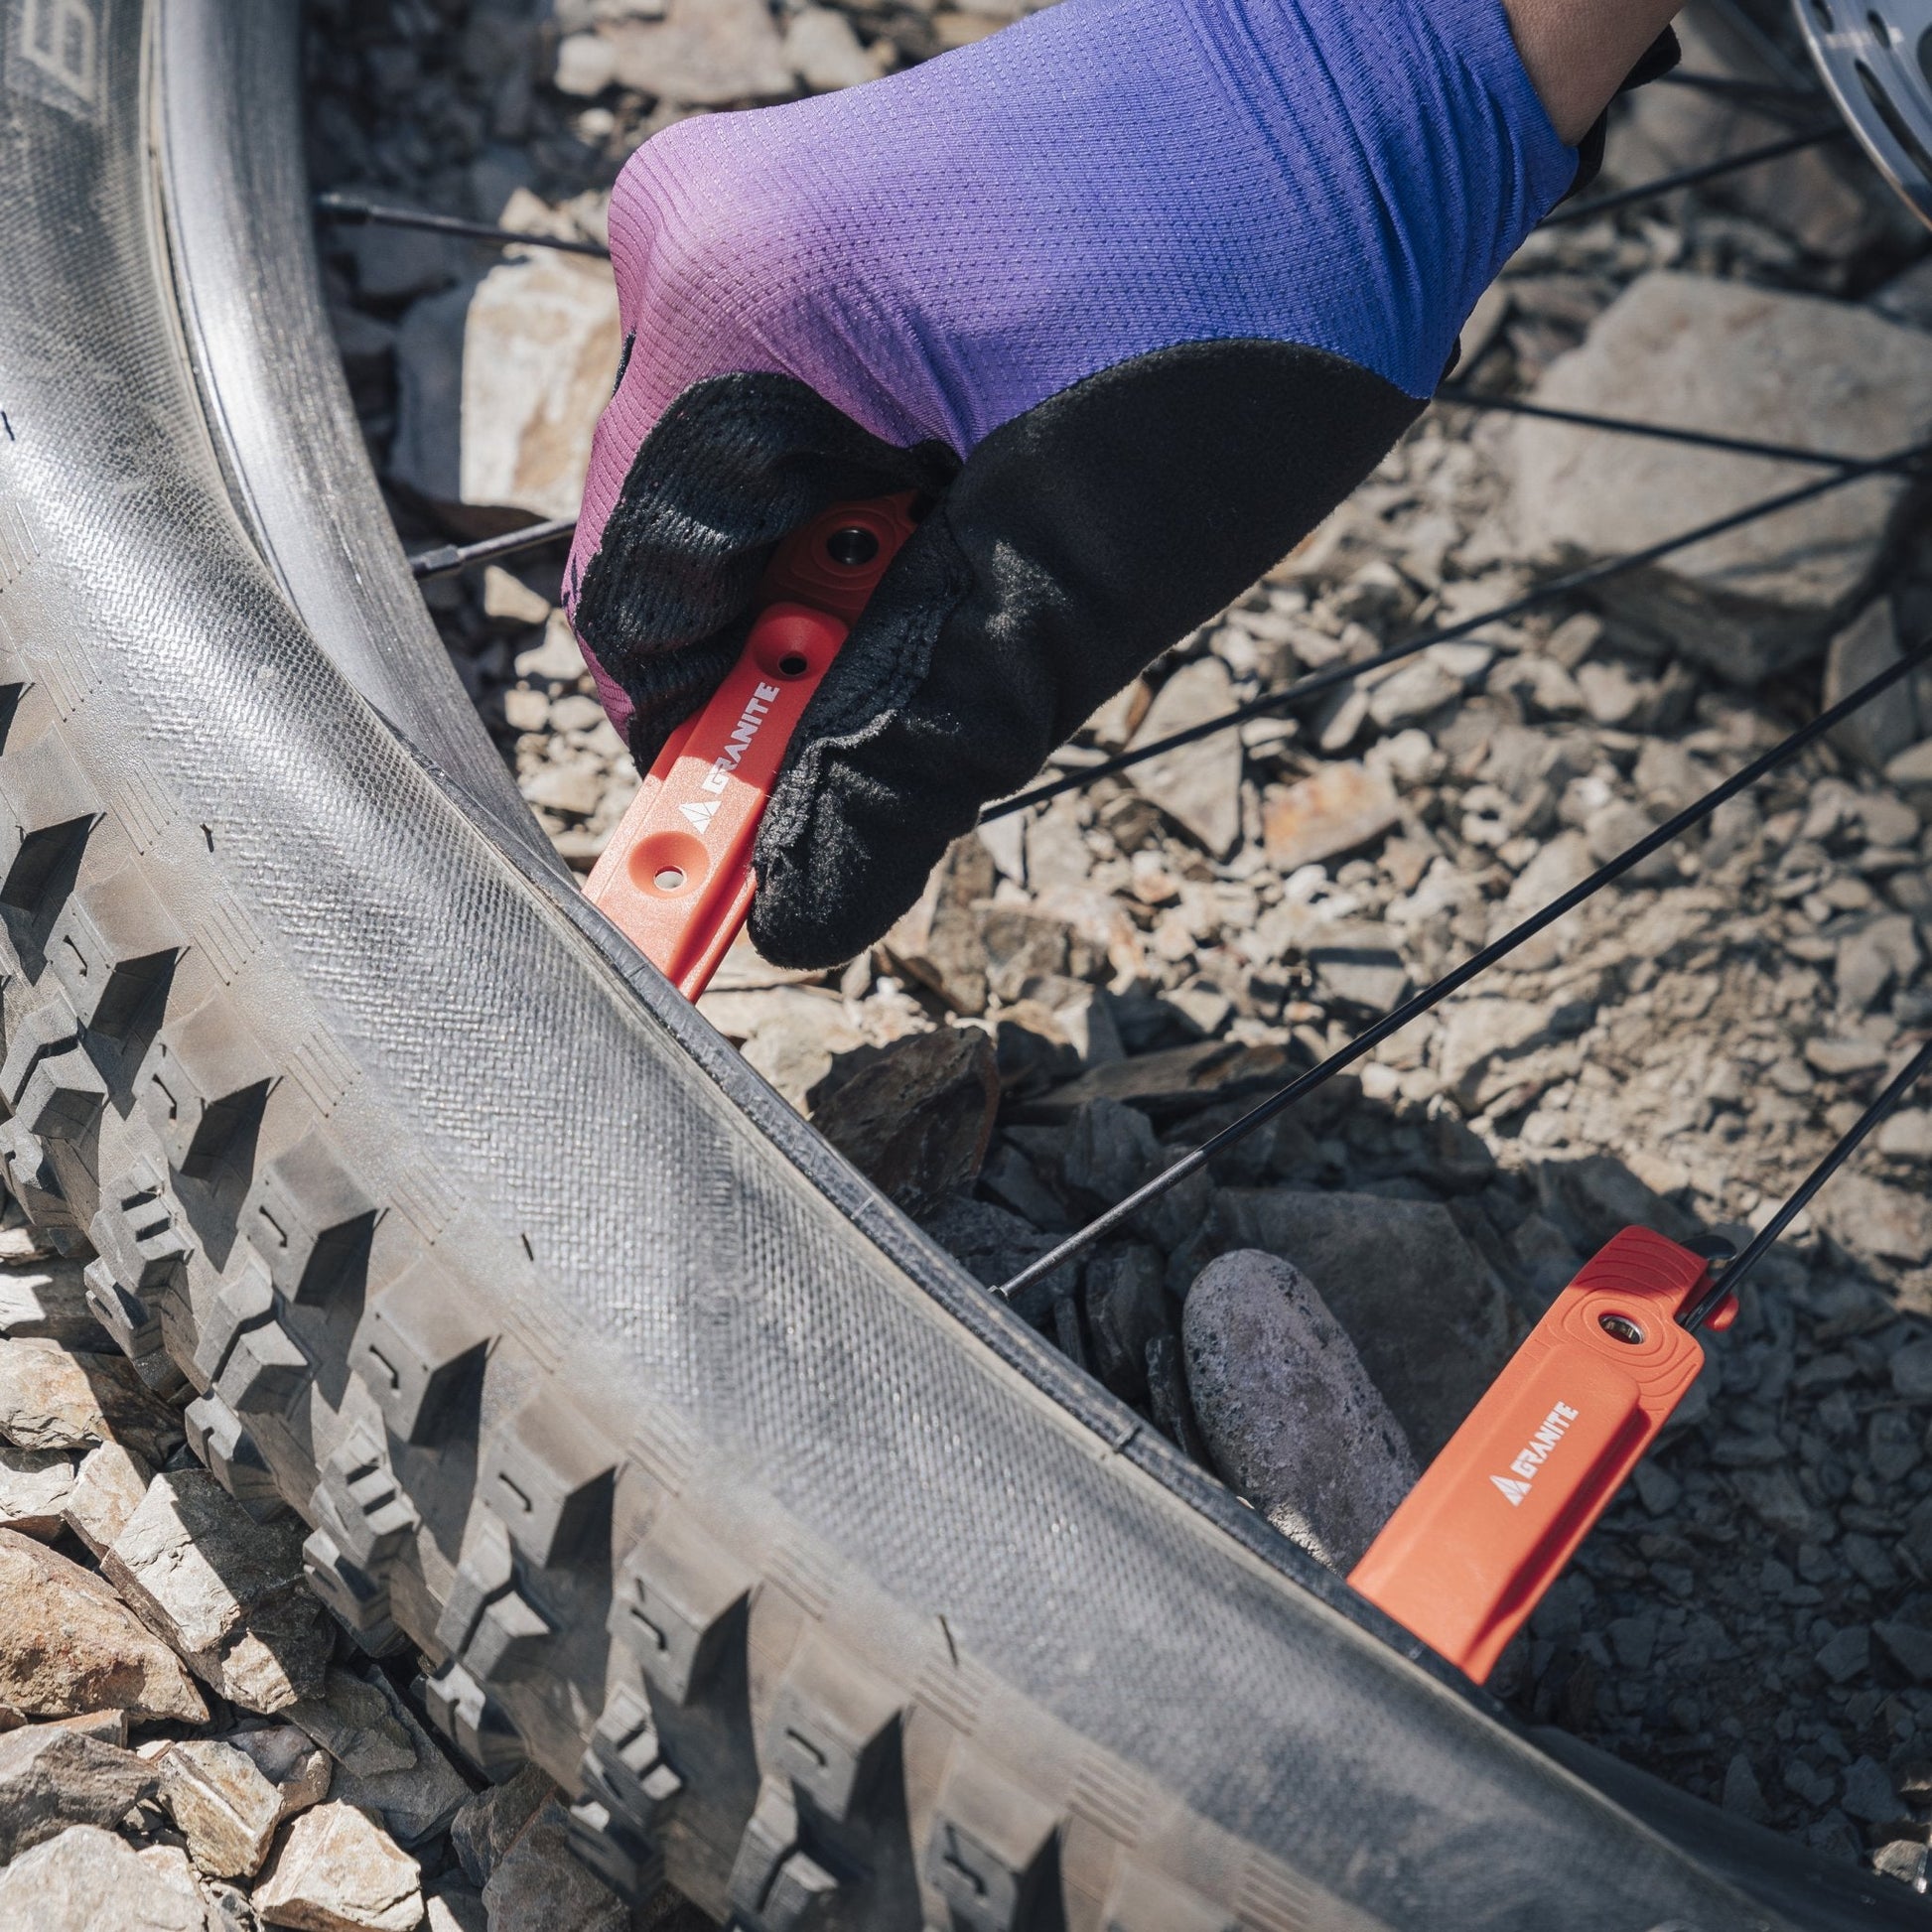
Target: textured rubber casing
692, 1468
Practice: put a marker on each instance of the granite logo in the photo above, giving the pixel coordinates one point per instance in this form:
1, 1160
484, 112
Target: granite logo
54, 53
1556, 1426
749, 721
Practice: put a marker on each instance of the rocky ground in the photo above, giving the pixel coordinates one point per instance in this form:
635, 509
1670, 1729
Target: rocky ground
1090, 986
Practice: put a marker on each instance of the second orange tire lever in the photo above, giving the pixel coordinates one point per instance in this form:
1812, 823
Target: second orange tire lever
677, 877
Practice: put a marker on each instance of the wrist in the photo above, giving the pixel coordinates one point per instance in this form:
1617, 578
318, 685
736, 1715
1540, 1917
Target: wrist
1577, 52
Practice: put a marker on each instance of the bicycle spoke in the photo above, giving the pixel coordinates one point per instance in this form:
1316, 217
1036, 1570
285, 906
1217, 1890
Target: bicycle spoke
453, 558
1868, 1123
1660, 432
1555, 589
351, 213
1478, 963
1805, 137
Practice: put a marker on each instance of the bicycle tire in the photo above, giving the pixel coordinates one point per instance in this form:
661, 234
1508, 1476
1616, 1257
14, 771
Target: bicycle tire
697, 1473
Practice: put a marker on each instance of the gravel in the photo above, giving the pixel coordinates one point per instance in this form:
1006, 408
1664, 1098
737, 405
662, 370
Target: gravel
1753, 1620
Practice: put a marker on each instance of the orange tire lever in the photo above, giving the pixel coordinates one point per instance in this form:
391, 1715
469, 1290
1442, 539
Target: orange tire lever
1501, 1510
677, 877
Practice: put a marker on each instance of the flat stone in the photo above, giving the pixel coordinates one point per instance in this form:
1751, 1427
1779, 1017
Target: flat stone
1359, 963
52, 1777
1411, 694
558, 658
1869, 1792
1480, 1036
1907, 1136
1711, 354
108, 1490
1846, 1057
453, 1907
1774, 1498
938, 943
1128, 1308
1848, 1654
338, 1870
1289, 1413
227, 1592
1110, 1150
704, 53
1595, 1198
1885, 951
1336, 811
486, 1826
1886, 725
1433, 1355
500, 382
390, 1766
573, 789
916, 1122
1807, 195
291, 1761
68, 1645
1870, 1217
222, 1803
794, 1035
1198, 785
825, 54
1912, 770
1171, 1084
54, 1398
538, 1886
586, 64
35, 1485
1907, 1646
89, 1881
47, 1301
993, 1246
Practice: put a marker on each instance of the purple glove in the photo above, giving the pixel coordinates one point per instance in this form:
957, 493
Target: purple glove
1135, 292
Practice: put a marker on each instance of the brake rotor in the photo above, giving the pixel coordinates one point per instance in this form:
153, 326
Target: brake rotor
1875, 56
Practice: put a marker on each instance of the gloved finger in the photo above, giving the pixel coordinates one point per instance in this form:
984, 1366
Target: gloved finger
663, 600
1033, 592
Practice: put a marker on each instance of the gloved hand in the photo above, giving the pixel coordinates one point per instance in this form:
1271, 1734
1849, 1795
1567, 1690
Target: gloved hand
1136, 291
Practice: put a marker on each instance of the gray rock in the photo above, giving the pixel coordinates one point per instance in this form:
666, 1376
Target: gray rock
1128, 1308
291, 1761
1110, 1150
993, 1246
69, 1645
89, 1881
1741, 1790
223, 1806
47, 1301
825, 54
1429, 1320
354, 1723
1848, 1654
390, 1766
1198, 785
1358, 963
704, 53
1878, 731
539, 1886
1869, 1216
484, 1828
453, 1907
1171, 1084
52, 1777
1885, 951
1411, 694
107, 1489
1908, 297
1869, 1792
916, 1121
1480, 1040
1594, 1199
1906, 1647
1289, 1413
1911, 1371
1774, 1498
227, 1592
1711, 354
35, 1485
1337, 809
937, 942
338, 1870
54, 1398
